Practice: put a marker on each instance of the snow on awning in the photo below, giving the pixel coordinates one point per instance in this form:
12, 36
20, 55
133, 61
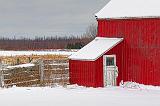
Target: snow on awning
96, 48
130, 8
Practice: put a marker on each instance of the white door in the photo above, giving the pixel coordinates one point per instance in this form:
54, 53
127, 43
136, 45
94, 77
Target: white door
110, 70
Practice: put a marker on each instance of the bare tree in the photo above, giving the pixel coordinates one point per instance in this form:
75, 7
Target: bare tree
91, 31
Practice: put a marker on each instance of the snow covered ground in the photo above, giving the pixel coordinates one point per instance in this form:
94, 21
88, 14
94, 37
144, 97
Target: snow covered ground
79, 96
52, 52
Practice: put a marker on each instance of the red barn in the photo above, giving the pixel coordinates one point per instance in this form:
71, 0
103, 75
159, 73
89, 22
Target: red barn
127, 46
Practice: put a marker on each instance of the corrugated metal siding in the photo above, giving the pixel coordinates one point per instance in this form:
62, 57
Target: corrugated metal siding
82, 73
99, 72
140, 57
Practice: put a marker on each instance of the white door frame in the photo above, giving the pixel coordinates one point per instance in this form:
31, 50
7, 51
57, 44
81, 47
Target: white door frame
105, 67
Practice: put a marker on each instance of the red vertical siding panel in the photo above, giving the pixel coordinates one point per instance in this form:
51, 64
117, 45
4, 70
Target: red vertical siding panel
100, 28
138, 56
82, 73
99, 72
140, 48
88, 73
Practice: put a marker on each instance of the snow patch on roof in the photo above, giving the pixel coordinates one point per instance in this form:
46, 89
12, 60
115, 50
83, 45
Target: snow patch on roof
130, 8
96, 48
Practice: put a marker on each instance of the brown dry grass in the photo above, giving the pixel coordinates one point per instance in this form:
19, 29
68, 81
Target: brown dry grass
13, 60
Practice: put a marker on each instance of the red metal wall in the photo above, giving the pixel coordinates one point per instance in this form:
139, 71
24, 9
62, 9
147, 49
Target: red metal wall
86, 73
138, 56
99, 72
90, 73
82, 72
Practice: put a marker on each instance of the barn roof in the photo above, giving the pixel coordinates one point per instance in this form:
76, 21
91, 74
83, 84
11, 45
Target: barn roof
96, 48
130, 8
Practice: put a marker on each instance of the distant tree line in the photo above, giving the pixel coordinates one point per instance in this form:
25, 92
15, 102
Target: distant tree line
44, 43
40, 43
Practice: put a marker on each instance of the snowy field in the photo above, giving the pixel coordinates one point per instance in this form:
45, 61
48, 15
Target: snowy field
80, 96
52, 52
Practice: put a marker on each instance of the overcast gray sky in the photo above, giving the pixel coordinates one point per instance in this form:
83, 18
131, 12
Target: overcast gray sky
47, 16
